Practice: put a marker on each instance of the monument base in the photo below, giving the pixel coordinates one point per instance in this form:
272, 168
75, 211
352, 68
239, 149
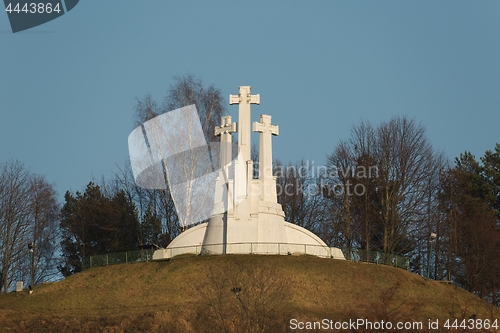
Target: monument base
300, 242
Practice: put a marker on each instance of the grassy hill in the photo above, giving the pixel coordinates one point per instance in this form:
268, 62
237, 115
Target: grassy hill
235, 293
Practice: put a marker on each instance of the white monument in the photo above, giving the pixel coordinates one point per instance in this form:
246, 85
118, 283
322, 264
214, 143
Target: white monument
246, 216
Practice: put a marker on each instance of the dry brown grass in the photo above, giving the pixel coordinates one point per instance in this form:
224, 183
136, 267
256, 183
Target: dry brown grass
190, 294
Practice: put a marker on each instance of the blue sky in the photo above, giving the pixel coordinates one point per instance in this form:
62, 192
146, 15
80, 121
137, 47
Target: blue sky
68, 87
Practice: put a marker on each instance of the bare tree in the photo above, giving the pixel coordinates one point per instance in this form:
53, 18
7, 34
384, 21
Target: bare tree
383, 177
405, 162
299, 193
14, 219
186, 90
45, 231
351, 188
338, 191
28, 214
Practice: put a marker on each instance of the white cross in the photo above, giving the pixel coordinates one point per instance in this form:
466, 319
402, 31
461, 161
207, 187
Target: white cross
225, 130
267, 182
265, 126
226, 127
244, 99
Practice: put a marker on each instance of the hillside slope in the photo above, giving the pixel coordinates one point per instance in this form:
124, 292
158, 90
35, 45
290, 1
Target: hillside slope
234, 293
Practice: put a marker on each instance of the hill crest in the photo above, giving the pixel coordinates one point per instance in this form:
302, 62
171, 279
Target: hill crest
227, 293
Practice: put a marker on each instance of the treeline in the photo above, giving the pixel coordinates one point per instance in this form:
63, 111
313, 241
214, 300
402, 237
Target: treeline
385, 189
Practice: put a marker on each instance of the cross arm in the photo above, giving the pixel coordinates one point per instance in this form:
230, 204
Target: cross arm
225, 129
234, 99
254, 99
263, 128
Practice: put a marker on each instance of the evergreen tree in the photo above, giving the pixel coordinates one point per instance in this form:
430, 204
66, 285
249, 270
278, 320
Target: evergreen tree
469, 197
93, 223
151, 233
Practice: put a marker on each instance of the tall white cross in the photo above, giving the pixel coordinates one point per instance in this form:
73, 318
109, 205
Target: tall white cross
267, 182
244, 99
225, 130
